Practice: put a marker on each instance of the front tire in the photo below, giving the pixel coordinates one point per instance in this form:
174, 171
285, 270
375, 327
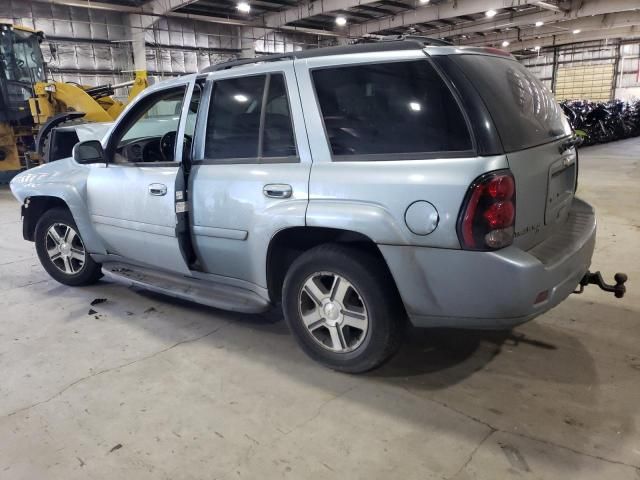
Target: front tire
343, 309
61, 250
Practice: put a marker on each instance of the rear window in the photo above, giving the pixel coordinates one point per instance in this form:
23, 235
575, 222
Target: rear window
524, 111
389, 109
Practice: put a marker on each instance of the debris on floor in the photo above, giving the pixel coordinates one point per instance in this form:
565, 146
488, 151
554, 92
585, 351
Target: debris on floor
115, 447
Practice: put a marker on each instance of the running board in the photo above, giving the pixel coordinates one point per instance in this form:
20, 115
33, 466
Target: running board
215, 295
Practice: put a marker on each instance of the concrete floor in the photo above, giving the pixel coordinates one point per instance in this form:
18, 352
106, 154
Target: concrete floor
149, 387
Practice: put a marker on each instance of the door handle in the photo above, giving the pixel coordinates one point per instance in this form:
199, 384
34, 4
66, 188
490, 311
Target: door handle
277, 190
157, 189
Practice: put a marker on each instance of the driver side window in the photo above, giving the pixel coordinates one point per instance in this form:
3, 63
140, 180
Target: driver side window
148, 134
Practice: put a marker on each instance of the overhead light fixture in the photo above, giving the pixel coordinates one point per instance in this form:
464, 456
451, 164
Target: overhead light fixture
537, 48
539, 23
415, 106
243, 7
491, 13
240, 98
341, 21
424, 2
577, 30
505, 44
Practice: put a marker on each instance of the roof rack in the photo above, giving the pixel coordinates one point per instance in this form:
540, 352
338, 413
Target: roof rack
425, 41
246, 61
364, 45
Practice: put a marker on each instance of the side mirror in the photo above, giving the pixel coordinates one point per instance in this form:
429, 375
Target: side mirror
89, 152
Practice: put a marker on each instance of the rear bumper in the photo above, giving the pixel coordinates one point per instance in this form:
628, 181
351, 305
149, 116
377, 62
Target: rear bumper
465, 289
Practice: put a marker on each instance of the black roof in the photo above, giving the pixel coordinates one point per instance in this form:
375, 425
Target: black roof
366, 45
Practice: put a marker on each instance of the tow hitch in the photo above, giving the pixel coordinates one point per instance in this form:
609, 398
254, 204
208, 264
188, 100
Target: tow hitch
596, 278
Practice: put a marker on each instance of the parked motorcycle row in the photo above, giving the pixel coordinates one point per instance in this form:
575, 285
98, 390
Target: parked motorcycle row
600, 122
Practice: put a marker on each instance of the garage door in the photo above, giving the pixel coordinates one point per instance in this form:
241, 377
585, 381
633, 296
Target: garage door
590, 82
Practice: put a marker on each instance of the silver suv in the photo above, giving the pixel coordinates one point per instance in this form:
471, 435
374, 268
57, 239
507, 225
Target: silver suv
359, 186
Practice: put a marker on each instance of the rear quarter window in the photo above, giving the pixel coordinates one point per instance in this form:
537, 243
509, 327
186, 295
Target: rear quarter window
524, 111
387, 109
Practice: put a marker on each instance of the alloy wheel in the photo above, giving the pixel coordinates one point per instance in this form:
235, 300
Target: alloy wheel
333, 312
65, 248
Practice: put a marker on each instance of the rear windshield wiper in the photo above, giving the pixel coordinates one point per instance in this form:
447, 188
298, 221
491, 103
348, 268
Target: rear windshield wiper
573, 141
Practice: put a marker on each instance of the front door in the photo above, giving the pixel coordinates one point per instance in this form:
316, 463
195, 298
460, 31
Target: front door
132, 201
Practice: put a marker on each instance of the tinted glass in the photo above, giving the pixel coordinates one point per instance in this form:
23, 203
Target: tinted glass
278, 130
389, 108
233, 126
524, 111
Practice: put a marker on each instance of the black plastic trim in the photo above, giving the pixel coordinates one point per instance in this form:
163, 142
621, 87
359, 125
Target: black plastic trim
484, 130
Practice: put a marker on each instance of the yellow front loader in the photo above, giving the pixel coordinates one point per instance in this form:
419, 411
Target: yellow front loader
31, 106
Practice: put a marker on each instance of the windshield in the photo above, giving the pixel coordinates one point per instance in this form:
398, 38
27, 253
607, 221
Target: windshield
523, 109
21, 62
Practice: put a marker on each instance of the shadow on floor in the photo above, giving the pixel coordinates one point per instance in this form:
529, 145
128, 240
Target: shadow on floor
493, 376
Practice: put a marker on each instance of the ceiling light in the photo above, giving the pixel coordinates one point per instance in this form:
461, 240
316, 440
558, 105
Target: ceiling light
240, 98
243, 7
415, 106
341, 21
491, 13
577, 30
539, 23
505, 44
424, 2
537, 48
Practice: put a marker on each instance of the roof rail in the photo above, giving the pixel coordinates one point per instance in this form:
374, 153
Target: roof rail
363, 45
425, 41
246, 61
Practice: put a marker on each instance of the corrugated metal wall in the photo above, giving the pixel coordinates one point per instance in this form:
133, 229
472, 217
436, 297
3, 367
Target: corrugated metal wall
92, 46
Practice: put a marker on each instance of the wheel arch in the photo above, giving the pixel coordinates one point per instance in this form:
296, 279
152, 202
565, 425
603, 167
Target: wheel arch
62, 183
33, 209
288, 244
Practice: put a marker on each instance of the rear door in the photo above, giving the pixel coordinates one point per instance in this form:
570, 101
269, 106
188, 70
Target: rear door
251, 167
532, 129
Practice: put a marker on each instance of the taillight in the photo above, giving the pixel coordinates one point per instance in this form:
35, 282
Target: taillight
488, 213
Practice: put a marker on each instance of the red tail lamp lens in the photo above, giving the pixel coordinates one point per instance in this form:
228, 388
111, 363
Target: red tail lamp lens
501, 188
487, 216
500, 215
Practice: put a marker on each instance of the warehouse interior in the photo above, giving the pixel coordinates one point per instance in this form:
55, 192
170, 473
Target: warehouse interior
113, 380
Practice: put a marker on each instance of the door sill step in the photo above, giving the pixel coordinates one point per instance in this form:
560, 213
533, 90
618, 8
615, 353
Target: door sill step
211, 294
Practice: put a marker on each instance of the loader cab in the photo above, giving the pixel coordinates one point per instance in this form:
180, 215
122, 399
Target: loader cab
21, 66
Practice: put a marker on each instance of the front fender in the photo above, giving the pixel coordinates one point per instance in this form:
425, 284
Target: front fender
67, 181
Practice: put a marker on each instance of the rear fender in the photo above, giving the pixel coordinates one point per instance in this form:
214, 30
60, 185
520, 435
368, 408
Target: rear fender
367, 218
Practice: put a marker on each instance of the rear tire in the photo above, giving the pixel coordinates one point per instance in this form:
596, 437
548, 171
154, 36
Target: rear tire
342, 307
61, 250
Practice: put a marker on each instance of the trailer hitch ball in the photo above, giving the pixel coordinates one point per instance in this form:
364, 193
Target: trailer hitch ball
620, 289
595, 278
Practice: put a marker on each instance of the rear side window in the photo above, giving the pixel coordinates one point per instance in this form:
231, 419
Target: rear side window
524, 111
278, 135
389, 108
233, 127
249, 119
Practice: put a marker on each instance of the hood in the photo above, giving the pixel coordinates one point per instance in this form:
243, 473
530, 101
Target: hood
90, 131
